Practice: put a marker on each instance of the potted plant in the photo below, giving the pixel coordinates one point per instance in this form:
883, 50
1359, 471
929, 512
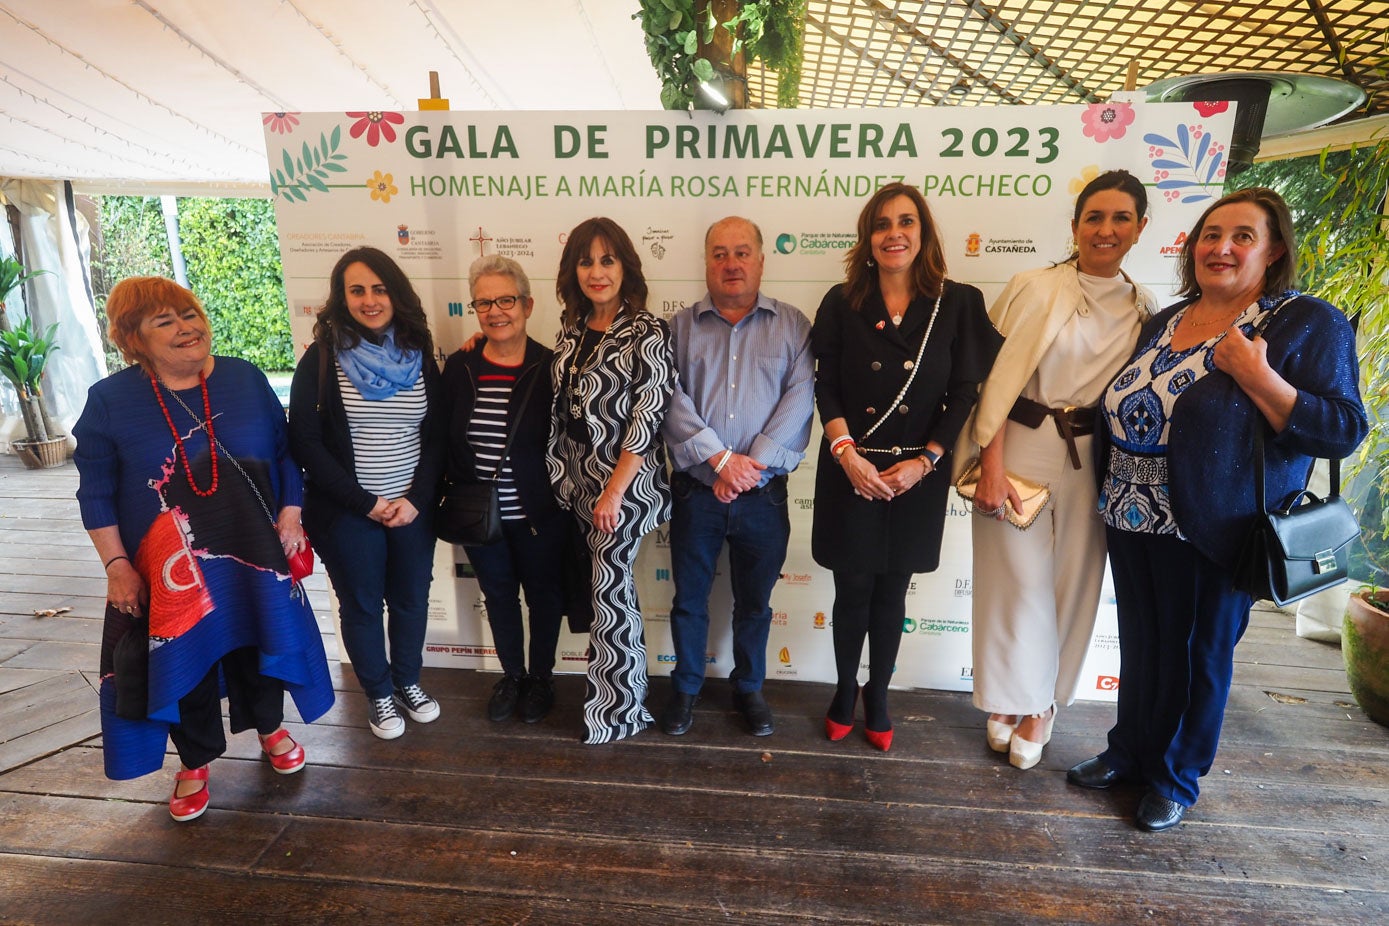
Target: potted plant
23, 356
12, 276
1351, 270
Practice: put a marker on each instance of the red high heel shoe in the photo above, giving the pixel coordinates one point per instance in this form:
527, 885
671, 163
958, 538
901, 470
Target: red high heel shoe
880, 739
190, 806
837, 731
286, 763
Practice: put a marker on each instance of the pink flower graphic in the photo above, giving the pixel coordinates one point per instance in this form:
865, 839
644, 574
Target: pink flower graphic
377, 125
281, 123
1104, 121
1209, 108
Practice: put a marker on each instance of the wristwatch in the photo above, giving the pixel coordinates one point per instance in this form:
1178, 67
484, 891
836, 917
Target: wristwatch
930, 456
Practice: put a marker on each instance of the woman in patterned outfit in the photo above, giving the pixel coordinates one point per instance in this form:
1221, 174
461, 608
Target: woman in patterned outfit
1174, 444
614, 372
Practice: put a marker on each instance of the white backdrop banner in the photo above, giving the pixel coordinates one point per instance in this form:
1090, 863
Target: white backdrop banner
437, 189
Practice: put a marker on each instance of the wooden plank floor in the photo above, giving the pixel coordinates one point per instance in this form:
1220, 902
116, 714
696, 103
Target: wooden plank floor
465, 821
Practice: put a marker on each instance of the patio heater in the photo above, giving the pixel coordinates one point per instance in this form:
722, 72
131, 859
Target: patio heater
1270, 103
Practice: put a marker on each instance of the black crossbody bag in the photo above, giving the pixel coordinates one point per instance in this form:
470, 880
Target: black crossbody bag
470, 513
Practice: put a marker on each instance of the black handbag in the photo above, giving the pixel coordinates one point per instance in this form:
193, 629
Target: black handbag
1299, 550
576, 576
470, 513
130, 666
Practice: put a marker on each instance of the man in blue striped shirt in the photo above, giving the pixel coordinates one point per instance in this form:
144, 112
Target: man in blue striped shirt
738, 423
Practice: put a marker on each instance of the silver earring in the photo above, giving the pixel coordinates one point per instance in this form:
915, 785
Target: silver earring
869, 263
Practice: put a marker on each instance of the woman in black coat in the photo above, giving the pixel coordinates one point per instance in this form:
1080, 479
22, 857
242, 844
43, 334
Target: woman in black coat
491, 390
900, 353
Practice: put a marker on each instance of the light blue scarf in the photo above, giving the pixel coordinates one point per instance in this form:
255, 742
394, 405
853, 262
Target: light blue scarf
379, 371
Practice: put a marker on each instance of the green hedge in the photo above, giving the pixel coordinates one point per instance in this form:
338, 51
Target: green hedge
232, 252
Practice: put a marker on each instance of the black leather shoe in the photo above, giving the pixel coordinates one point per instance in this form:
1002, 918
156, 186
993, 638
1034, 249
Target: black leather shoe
678, 716
755, 711
1093, 773
1156, 812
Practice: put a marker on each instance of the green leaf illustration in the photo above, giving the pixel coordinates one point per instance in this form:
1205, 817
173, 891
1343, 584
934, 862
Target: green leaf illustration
308, 172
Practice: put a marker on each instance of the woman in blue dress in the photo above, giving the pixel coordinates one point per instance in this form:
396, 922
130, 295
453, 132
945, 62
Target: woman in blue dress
192, 502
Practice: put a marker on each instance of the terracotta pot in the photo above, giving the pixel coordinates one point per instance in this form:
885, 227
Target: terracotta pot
1365, 648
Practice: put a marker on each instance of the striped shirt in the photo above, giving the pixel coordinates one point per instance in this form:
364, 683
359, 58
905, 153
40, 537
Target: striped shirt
488, 429
385, 436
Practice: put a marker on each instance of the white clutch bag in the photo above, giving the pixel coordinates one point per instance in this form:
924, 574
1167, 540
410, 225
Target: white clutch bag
1034, 495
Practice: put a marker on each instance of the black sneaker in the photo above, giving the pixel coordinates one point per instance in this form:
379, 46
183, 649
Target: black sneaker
505, 695
383, 719
420, 707
539, 697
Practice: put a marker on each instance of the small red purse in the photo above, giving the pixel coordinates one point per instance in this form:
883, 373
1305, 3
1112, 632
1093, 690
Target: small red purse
301, 562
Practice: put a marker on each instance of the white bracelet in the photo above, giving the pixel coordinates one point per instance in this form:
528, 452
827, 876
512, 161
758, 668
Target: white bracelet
722, 460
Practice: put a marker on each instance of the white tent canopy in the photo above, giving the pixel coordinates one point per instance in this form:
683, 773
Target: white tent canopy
166, 96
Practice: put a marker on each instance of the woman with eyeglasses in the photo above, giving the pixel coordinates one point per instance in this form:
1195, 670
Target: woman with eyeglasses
489, 393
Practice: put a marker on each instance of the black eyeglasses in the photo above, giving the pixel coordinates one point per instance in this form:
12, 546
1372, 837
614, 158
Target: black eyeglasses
505, 303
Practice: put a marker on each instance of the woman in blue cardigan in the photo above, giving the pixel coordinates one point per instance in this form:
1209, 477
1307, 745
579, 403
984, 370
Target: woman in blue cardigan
1175, 463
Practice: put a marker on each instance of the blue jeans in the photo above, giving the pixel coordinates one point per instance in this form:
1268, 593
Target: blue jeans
376, 571
757, 528
529, 556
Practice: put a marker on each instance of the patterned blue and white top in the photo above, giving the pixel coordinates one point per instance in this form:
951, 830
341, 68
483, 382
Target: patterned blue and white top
1137, 407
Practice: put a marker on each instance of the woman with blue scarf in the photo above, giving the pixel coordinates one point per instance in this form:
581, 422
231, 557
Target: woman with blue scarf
364, 424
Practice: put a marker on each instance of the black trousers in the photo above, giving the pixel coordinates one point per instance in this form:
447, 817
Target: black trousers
253, 700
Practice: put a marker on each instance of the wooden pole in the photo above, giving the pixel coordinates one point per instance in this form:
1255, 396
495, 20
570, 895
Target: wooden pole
719, 51
434, 101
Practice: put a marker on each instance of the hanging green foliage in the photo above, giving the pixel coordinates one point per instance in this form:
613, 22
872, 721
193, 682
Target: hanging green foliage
769, 31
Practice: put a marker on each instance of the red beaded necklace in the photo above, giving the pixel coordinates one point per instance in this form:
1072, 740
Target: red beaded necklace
207, 425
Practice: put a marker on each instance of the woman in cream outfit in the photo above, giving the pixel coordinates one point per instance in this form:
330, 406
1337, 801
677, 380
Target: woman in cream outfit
1069, 327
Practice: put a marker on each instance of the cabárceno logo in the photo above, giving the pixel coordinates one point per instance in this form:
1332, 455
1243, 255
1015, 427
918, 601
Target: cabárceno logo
815, 242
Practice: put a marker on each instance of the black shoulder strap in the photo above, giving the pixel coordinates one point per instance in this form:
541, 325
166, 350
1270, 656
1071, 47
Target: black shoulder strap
516, 420
1262, 425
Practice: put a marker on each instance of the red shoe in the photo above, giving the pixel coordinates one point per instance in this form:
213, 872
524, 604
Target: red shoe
288, 763
191, 806
837, 731
881, 739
